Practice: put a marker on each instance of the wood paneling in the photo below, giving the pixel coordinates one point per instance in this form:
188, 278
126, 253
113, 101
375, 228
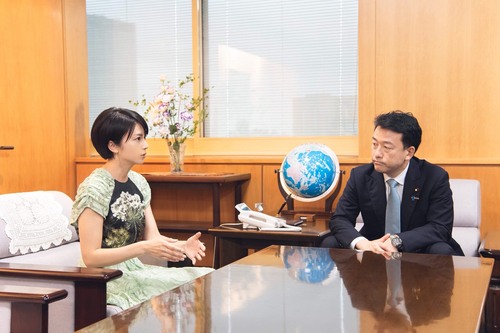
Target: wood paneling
76, 82
439, 60
32, 91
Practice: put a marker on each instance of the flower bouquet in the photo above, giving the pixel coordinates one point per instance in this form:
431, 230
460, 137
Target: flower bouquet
171, 116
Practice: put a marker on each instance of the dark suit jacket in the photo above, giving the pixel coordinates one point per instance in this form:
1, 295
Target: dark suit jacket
426, 207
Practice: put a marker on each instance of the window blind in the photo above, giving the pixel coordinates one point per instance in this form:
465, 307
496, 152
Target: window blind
281, 67
130, 44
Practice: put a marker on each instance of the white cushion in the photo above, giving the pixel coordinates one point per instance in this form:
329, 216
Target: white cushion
62, 255
468, 238
34, 221
466, 202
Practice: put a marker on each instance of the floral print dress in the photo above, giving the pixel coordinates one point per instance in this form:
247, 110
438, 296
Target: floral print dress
122, 206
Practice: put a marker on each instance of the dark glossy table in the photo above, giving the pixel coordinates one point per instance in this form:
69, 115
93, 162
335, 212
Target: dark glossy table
299, 289
234, 243
490, 248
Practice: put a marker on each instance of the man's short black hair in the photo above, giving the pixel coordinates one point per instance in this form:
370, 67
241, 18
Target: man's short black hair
112, 125
404, 123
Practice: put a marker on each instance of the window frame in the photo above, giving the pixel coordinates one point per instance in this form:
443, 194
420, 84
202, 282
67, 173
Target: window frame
257, 146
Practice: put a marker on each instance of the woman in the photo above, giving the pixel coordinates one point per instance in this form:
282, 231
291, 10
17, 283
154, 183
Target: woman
115, 223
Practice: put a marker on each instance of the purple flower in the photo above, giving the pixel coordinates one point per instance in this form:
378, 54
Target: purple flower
186, 116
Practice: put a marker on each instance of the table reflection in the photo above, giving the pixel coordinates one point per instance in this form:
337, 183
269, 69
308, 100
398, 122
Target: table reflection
402, 293
310, 265
178, 309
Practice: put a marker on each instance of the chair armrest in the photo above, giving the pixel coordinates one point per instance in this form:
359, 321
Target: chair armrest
90, 286
32, 300
31, 294
490, 246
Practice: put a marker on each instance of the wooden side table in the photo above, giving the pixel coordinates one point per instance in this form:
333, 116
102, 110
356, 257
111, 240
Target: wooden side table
490, 248
234, 242
213, 180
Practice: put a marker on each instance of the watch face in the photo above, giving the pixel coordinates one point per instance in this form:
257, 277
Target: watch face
396, 242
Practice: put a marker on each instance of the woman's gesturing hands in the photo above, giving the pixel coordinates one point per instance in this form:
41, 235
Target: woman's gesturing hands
194, 248
166, 248
174, 250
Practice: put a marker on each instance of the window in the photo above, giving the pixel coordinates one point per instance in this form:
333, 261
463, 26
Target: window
130, 44
280, 68
276, 69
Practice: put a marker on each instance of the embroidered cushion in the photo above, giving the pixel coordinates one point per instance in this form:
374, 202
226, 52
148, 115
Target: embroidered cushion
34, 221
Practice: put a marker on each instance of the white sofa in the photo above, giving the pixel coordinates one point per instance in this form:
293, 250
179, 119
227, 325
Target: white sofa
55, 267
467, 215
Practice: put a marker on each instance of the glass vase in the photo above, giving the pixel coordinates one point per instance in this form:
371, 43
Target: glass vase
176, 151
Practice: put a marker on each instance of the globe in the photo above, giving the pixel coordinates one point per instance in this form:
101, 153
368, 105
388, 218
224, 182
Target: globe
309, 172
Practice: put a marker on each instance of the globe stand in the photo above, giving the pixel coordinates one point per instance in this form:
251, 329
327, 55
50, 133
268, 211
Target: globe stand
289, 201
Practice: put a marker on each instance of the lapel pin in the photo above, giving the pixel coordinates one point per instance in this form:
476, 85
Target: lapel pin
414, 197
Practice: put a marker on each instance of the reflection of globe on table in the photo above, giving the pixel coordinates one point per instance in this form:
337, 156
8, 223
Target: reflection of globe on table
308, 264
309, 172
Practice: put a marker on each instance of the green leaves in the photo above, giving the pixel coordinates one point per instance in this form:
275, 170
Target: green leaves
173, 129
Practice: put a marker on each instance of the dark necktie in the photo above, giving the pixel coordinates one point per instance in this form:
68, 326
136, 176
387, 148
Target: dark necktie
393, 209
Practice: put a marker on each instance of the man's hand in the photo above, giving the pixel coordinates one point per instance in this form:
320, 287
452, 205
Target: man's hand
381, 246
388, 245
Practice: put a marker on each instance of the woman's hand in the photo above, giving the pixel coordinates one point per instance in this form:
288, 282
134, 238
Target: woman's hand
194, 248
166, 248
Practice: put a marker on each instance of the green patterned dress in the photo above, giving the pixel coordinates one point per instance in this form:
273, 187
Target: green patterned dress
122, 206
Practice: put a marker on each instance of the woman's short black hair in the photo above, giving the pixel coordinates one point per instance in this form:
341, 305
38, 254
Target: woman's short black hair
112, 125
404, 123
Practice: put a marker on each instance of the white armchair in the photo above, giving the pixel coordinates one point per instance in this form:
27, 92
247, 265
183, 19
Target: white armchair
467, 219
54, 267
467, 214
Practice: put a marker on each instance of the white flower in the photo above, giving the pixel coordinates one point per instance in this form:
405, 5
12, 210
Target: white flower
127, 206
170, 115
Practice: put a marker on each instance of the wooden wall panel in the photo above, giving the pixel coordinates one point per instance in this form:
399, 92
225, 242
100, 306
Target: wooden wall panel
439, 60
32, 91
76, 82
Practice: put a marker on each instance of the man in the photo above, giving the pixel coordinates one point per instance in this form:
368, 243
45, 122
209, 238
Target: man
414, 215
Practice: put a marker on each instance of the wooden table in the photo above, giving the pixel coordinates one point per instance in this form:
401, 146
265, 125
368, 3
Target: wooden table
299, 289
234, 243
490, 248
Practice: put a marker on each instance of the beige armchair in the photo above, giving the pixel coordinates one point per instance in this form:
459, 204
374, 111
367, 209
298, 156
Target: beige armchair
55, 264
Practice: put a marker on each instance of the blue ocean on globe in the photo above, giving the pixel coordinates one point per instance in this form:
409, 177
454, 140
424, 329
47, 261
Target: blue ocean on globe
310, 170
